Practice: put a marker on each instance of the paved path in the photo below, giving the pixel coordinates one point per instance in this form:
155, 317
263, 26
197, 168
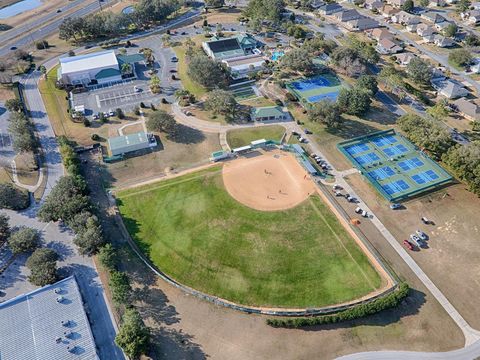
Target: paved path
31, 188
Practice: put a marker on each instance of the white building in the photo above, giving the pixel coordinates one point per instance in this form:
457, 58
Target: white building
240, 67
100, 67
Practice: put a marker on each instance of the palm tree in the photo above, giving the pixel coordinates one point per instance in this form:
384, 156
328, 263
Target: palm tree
126, 68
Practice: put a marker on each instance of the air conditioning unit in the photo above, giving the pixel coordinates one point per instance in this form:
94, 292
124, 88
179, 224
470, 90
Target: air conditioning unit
66, 323
60, 299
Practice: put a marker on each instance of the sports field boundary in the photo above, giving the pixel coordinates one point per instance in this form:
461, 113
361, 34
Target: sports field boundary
389, 278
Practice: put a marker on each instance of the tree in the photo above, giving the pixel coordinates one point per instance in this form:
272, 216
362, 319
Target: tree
354, 101
108, 257
391, 78
450, 30
133, 336
119, 113
472, 40
424, 3
13, 198
67, 198
14, 105
296, 31
439, 111
348, 61
265, 10
326, 112
464, 161
126, 69
155, 84
4, 228
120, 287
368, 83
90, 238
21, 130
214, 3
43, 267
463, 5
460, 57
298, 60
166, 38
24, 240
41, 45
221, 102
408, 6
426, 134
161, 121
206, 72
364, 49
419, 71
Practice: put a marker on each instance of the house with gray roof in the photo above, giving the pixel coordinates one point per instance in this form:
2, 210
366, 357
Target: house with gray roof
329, 9
347, 15
49, 323
361, 24
226, 48
450, 88
468, 109
433, 17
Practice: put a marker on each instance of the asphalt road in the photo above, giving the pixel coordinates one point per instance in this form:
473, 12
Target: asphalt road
34, 31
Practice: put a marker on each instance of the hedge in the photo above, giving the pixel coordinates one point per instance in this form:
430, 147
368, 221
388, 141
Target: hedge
387, 302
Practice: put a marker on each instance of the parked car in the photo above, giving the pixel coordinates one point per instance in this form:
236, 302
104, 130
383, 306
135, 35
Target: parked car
313, 155
59, 11
358, 210
183, 33
408, 245
349, 197
13, 48
302, 140
338, 193
136, 89
415, 239
307, 131
174, 59
337, 187
294, 133
395, 206
111, 113
364, 213
95, 116
173, 71
421, 234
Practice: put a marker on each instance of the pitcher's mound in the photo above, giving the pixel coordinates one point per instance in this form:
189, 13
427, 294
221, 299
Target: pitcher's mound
268, 182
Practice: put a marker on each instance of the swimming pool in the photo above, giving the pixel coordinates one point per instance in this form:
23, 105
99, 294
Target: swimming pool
277, 55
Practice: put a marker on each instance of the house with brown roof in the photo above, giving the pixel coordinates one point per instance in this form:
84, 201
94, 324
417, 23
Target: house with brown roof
380, 33
387, 47
388, 11
396, 3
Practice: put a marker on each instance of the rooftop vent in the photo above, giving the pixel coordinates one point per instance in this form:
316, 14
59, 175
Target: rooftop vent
66, 323
58, 290
72, 350
58, 340
68, 334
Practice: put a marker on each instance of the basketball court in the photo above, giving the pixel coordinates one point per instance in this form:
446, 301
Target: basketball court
271, 181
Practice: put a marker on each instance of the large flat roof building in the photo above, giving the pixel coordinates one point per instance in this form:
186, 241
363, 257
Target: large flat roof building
231, 47
47, 324
120, 145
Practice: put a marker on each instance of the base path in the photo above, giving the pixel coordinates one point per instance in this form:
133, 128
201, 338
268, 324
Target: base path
275, 181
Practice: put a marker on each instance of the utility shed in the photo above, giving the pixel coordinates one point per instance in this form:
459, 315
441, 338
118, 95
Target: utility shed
127, 143
47, 324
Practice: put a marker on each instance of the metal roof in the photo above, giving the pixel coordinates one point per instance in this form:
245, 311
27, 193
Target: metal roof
130, 58
95, 60
124, 141
31, 325
267, 111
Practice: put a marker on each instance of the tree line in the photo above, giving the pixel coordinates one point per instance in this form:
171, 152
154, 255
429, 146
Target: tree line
109, 24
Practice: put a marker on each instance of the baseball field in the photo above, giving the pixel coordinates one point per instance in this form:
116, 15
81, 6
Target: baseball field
195, 231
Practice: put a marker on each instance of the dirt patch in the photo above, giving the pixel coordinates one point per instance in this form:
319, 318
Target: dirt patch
6, 93
275, 181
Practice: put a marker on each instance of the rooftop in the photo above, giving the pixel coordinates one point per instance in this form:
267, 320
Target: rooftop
46, 324
88, 61
120, 142
267, 111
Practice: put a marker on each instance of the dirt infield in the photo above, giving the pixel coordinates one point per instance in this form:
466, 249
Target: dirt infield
268, 181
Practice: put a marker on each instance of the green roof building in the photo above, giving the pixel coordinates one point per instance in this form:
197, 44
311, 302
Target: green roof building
120, 145
269, 113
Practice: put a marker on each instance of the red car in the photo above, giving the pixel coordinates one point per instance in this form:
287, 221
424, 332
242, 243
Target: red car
408, 244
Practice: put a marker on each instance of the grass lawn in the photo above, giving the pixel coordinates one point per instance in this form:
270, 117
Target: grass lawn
242, 137
194, 231
187, 82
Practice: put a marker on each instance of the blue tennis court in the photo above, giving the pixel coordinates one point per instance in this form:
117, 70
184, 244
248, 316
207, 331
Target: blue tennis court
410, 164
395, 187
328, 96
395, 150
367, 158
425, 177
382, 173
386, 140
357, 148
310, 84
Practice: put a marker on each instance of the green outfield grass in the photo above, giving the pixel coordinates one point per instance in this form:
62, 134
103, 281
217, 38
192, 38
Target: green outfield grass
194, 231
241, 137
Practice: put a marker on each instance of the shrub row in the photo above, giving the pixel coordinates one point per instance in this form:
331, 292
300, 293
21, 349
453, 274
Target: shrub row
387, 302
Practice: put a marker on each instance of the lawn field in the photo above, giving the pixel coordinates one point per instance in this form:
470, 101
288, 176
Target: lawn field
242, 137
195, 232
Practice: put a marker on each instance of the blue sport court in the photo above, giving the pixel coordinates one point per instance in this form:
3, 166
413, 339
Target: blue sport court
393, 165
312, 90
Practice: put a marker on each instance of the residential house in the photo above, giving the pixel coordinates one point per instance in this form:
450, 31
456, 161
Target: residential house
442, 26
373, 4
396, 3
450, 88
404, 18
437, 75
429, 39
424, 30
316, 4
475, 66
329, 9
269, 113
378, 34
443, 42
412, 28
432, 17
437, 3
361, 24
388, 11
388, 47
467, 109
472, 17
347, 15
404, 58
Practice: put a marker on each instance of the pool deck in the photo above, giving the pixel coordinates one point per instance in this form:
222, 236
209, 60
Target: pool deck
394, 166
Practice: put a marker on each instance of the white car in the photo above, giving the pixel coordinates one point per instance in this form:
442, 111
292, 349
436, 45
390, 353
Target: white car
364, 213
136, 89
415, 239
359, 210
421, 234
